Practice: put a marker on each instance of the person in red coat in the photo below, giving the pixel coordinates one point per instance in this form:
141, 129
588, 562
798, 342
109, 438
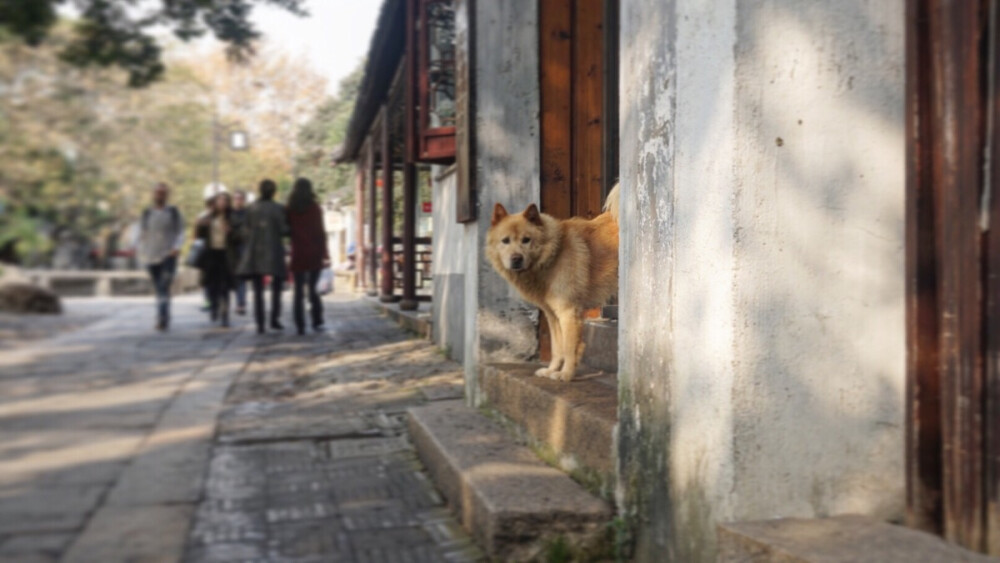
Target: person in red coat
309, 252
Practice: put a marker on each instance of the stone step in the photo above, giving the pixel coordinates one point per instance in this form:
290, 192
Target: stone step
517, 507
841, 538
571, 424
600, 338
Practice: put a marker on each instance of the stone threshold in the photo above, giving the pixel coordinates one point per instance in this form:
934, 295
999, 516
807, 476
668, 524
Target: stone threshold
570, 425
853, 538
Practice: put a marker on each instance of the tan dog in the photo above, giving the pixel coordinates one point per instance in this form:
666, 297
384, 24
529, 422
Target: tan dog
563, 266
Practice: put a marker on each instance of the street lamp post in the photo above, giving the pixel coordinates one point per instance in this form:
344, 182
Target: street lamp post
238, 141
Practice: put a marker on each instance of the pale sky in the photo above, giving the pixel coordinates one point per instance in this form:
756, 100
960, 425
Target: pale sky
333, 38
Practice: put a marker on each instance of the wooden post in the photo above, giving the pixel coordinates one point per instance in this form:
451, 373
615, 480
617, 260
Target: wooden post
360, 280
923, 377
409, 302
948, 313
991, 263
387, 295
373, 218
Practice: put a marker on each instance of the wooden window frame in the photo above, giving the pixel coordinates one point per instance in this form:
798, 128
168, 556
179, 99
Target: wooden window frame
433, 145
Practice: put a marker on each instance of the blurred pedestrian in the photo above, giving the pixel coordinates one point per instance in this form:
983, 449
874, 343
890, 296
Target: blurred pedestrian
239, 215
309, 252
161, 236
264, 252
208, 197
219, 256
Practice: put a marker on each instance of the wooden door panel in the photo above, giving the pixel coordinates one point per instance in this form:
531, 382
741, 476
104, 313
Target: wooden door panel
588, 94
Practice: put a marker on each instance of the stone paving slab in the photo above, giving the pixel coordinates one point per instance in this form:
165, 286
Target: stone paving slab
150, 533
312, 461
77, 411
123, 444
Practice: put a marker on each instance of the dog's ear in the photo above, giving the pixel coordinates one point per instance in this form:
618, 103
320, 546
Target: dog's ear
499, 212
532, 215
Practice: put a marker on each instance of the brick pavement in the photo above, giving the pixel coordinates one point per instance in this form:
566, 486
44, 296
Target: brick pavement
80, 412
119, 444
312, 461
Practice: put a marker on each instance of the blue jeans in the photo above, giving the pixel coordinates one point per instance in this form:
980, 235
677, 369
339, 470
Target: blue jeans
241, 292
162, 275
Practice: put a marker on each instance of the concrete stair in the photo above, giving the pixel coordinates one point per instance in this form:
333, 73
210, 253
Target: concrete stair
600, 338
571, 425
842, 538
516, 506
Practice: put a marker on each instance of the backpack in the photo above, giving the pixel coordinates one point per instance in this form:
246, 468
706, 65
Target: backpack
175, 217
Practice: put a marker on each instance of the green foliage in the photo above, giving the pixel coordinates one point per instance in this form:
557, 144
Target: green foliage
116, 33
79, 152
24, 234
320, 136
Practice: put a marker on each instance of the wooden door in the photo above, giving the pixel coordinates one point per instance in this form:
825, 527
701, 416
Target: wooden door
572, 93
571, 51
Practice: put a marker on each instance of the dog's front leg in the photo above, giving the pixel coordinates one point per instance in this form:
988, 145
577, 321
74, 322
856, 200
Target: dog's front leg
555, 338
570, 324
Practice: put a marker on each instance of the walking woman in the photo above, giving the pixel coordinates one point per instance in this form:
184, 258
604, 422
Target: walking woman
309, 252
220, 251
265, 226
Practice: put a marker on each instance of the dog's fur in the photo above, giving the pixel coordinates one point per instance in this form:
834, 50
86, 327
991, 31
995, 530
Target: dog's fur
563, 266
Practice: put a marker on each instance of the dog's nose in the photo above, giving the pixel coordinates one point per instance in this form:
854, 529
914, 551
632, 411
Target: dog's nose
516, 261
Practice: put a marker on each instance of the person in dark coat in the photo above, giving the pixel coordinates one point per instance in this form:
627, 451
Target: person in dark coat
220, 253
309, 252
264, 228
239, 217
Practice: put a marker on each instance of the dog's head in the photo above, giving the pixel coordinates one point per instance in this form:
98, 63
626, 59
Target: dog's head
517, 242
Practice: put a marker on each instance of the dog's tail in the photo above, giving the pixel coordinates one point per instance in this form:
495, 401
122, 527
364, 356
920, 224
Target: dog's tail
611, 203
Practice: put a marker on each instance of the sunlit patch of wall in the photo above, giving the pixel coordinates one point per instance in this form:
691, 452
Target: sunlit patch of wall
762, 220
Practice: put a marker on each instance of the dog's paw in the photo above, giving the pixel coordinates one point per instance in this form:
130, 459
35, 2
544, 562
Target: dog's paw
544, 372
565, 376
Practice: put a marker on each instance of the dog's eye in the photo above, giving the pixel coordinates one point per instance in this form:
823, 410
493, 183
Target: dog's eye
525, 240
506, 240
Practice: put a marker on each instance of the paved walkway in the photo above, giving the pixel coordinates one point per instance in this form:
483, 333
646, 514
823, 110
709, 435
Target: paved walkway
119, 444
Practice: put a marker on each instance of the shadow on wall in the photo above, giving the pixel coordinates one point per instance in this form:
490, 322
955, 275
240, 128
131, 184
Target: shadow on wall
763, 217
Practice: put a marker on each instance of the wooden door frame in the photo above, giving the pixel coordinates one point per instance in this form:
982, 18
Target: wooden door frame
952, 272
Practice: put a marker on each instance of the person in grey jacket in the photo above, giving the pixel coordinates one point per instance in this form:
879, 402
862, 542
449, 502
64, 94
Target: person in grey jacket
161, 236
264, 228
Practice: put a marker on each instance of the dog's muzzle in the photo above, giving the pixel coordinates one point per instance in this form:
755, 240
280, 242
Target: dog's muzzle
517, 262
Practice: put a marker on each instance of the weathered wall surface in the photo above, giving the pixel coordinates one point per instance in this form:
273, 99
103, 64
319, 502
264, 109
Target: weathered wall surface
448, 267
507, 169
762, 217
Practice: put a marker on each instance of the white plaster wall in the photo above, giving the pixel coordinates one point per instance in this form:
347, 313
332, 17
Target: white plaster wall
819, 285
507, 171
449, 236
763, 216
702, 303
449, 266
